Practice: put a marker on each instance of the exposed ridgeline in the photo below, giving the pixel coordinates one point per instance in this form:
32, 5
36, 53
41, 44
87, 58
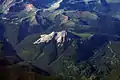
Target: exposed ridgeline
28, 11
54, 6
6, 5
13, 20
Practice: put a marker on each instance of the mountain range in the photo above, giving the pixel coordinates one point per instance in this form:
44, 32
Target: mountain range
63, 41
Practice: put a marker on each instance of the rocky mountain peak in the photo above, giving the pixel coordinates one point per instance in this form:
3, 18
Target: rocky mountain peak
59, 37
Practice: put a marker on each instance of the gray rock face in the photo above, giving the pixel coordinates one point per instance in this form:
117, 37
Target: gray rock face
59, 37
